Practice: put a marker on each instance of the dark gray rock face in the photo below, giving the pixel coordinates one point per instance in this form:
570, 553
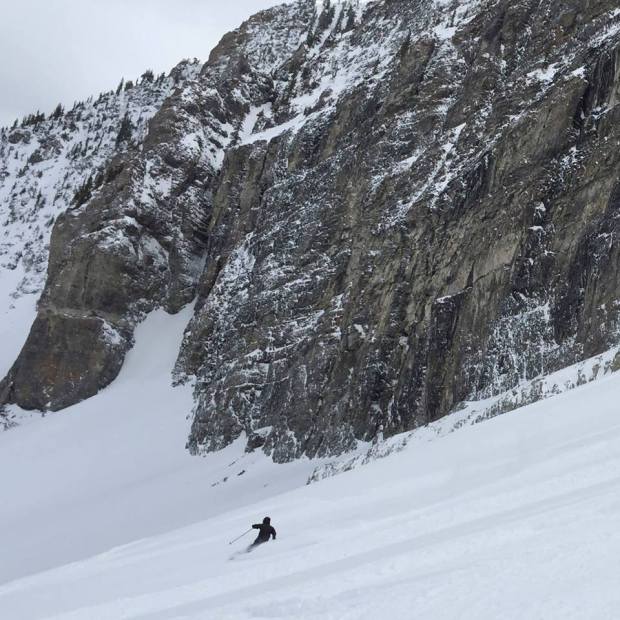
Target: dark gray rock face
382, 208
113, 255
439, 231
65, 350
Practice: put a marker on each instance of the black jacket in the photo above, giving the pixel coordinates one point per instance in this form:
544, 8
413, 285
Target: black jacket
265, 531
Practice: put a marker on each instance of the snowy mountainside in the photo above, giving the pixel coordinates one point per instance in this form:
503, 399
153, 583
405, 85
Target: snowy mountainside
515, 518
478, 411
112, 470
382, 210
45, 161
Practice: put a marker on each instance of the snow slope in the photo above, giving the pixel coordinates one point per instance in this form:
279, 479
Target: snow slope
17, 313
513, 518
113, 468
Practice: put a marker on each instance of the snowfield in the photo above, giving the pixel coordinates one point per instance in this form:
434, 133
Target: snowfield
114, 468
105, 517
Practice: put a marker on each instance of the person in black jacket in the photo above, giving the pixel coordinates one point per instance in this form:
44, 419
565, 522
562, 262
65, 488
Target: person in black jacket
265, 531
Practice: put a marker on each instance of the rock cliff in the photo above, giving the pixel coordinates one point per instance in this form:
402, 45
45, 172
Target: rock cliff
382, 209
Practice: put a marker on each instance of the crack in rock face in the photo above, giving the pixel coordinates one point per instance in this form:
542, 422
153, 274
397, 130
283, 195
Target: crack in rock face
382, 209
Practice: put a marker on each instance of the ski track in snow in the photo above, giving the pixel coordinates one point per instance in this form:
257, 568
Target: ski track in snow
513, 518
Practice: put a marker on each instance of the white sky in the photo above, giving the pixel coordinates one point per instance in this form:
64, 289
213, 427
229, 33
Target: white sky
65, 50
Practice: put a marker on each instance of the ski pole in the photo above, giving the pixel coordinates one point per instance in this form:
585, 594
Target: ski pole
238, 537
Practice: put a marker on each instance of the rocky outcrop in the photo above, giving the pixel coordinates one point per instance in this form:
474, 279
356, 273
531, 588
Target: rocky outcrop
420, 241
106, 263
383, 209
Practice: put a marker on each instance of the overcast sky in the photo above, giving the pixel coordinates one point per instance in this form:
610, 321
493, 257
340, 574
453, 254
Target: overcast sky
64, 50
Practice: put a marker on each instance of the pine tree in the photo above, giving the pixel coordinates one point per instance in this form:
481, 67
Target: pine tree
326, 17
57, 113
83, 193
125, 130
406, 44
99, 179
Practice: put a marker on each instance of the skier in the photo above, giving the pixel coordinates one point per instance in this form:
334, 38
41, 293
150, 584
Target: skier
266, 530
